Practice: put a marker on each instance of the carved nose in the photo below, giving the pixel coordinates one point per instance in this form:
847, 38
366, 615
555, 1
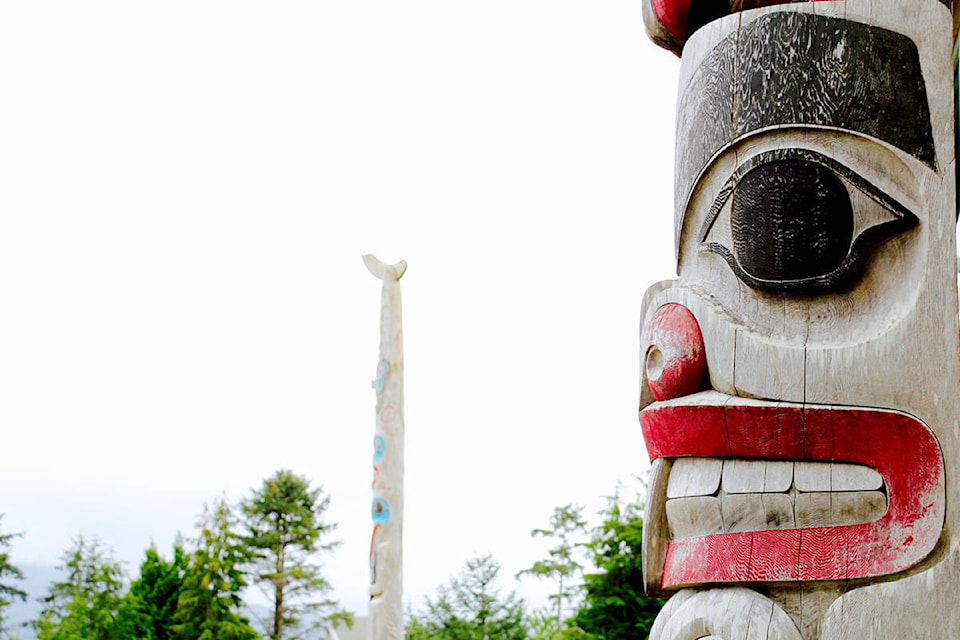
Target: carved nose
676, 362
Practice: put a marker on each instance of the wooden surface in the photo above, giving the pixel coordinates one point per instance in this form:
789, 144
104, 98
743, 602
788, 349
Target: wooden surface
675, 364
815, 231
828, 542
729, 614
386, 542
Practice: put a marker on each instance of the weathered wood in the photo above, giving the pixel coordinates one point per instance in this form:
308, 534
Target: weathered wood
730, 614
759, 495
744, 476
711, 425
778, 509
386, 543
852, 477
814, 509
656, 530
742, 512
694, 477
815, 226
675, 364
854, 507
696, 516
812, 476
778, 476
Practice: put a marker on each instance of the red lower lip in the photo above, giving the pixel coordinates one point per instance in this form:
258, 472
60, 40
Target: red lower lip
900, 447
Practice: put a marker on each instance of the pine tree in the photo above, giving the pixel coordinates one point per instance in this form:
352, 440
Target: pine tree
286, 532
566, 524
84, 605
209, 600
471, 608
8, 592
614, 605
150, 605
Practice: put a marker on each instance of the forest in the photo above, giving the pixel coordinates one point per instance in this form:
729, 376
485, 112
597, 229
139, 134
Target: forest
277, 538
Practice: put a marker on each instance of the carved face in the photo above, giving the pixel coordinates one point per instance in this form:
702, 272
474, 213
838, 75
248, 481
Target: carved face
799, 395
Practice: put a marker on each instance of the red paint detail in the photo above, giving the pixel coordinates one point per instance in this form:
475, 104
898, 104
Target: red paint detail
373, 538
677, 345
388, 414
705, 435
900, 447
673, 16
769, 427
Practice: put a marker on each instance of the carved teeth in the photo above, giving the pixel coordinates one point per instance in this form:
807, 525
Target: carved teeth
757, 476
830, 509
712, 495
816, 476
696, 516
694, 477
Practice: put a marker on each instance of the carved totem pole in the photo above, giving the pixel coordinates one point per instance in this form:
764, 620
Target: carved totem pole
386, 542
800, 378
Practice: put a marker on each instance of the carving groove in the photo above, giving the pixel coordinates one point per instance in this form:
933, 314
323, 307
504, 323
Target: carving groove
764, 233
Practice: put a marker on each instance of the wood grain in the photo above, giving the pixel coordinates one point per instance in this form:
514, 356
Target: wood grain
774, 80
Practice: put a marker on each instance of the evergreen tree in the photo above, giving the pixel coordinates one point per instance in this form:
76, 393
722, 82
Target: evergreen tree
150, 606
566, 524
84, 605
286, 532
209, 599
471, 608
131, 621
8, 592
542, 624
615, 606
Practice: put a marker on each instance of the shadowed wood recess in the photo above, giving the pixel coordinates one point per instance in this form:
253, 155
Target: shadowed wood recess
800, 379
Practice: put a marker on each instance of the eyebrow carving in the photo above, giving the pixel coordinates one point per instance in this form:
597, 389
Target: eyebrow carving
789, 68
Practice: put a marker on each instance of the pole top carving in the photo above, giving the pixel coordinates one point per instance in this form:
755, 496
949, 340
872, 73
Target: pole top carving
382, 270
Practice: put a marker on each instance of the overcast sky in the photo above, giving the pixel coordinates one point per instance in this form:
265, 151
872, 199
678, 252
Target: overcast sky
186, 189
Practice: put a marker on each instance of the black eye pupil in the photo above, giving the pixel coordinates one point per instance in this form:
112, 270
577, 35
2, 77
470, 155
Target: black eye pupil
791, 219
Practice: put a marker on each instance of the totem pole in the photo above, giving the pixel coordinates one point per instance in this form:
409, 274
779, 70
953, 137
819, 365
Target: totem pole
386, 542
800, 389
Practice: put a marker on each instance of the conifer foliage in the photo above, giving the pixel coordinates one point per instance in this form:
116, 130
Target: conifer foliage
209, 600
567, 526
275, 537
471, 607
153, 596
86, 603
614, 605
286, 535
8, 571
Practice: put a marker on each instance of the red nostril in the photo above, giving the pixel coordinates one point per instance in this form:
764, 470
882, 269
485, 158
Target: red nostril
675, 363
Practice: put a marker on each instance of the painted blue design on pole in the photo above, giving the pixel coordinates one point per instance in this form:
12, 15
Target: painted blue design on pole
382, 370
379, 449
380, 512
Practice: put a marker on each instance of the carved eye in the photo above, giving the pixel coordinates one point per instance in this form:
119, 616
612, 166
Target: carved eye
380, 511
795, 220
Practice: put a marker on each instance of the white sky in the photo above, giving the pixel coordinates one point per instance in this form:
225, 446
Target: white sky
185, 192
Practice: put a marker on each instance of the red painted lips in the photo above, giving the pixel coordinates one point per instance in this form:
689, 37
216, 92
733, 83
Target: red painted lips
898, 446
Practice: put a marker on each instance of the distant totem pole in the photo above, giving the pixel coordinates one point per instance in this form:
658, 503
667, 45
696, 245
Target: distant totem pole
800, 390
386, 542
